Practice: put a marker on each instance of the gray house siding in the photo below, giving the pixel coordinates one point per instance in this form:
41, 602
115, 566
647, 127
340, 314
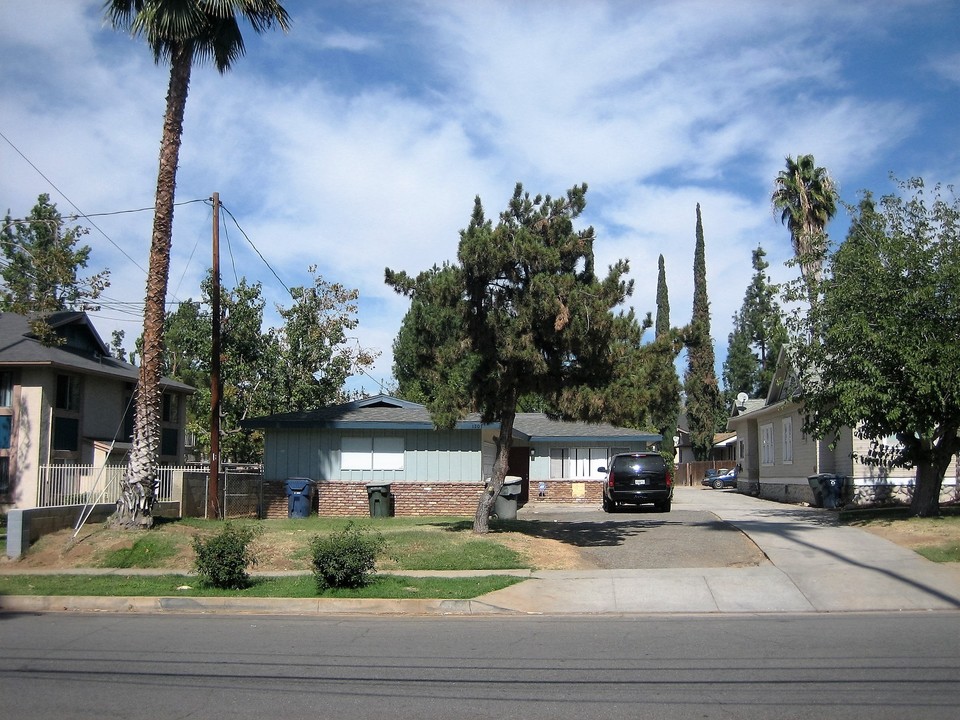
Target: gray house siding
429, 455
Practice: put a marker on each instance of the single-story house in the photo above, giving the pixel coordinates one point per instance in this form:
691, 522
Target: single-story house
777, 458
385, 440
68, 405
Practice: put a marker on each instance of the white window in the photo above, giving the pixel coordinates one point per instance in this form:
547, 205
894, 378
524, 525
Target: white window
766, 444
388, 453
579, 463
787, 441
380, 453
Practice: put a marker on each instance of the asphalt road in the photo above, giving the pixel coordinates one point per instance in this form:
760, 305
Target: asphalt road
643, 538
872, 666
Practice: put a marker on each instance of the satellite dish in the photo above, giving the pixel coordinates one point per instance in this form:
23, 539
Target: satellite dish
742, 400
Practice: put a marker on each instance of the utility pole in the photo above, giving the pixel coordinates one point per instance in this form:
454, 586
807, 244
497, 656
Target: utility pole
213, 487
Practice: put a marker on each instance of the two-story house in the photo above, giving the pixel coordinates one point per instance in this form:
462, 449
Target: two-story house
69, 404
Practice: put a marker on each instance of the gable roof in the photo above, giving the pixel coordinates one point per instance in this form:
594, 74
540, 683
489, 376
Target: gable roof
385, 412
83, 350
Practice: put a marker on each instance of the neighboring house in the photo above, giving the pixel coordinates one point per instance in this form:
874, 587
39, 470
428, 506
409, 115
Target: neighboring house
384, 440
66, 404
724, 446
777, 458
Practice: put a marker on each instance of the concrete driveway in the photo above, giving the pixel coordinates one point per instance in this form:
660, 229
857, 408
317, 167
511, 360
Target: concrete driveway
686, 537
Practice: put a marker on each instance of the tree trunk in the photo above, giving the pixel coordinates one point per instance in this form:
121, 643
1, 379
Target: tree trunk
139, 486
481, 521
926, 492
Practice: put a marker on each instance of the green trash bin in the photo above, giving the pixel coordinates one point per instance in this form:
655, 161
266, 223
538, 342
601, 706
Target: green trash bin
379, 496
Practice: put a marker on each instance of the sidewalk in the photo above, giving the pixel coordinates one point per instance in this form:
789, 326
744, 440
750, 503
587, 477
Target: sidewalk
815, 566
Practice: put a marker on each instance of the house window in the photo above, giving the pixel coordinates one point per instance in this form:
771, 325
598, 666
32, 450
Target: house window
66, 434
787, 441
68, 393
168, 441
5, 432
766, 444
171, 408
567, 463
378, 453
6, 389
4, 475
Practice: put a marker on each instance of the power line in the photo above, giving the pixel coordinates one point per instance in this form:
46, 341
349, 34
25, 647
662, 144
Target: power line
247, 238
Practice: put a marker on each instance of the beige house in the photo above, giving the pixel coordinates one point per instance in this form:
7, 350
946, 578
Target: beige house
68, 405
776, 458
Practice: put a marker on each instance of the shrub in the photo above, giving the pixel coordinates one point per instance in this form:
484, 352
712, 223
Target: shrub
222, 560
345, 559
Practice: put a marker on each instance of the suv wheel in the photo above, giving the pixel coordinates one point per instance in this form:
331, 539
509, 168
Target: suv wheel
664, 506
608, 505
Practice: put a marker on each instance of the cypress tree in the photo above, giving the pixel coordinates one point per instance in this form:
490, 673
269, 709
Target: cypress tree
704, 411
664, 382
663, 302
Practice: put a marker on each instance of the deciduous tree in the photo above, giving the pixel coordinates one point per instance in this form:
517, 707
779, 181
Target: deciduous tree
887, 363
41, 262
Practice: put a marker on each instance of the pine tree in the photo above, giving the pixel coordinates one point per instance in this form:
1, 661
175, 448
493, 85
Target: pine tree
756, 339
704, 411
523, 313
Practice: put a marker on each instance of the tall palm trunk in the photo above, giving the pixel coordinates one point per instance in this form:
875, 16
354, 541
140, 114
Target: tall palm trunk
138, 493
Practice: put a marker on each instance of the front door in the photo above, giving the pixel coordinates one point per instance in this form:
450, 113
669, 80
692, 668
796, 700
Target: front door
519, 464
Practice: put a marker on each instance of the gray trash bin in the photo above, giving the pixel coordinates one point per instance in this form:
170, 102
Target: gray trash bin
379, 496
828, 490
505, 504
299, 497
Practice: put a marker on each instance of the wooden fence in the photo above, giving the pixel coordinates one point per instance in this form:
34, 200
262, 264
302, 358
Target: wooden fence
692, 473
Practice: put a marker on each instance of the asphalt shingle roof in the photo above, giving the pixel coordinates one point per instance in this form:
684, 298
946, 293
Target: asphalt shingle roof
383, 411
18, 347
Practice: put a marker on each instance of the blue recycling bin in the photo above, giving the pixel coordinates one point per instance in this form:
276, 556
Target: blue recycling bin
299, 497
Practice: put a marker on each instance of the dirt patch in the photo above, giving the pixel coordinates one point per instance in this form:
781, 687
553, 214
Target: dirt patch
914, 533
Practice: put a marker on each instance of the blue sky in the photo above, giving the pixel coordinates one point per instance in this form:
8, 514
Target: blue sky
359, 140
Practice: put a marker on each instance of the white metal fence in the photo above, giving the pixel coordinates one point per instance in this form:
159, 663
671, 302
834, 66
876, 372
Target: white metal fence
241, 489
88, 484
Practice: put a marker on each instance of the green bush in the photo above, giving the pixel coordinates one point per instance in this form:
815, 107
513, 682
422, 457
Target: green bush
345, 559
222, 560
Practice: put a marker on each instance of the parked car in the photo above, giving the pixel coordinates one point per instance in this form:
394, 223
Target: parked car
637, 478
720, 479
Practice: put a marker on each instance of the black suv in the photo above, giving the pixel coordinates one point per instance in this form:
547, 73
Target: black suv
636, 478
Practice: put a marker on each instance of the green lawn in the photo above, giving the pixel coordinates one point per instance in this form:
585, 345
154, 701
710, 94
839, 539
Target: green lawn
383, 586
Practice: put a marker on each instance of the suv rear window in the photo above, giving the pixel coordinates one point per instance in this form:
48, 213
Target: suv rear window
638, 464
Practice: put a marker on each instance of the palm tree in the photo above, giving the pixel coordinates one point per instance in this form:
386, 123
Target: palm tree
179, 32
807, 198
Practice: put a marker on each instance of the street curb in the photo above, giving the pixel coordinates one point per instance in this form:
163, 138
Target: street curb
241, 606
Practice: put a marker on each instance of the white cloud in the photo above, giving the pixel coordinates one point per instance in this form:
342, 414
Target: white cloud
656, 105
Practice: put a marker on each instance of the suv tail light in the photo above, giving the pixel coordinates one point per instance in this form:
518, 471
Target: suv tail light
610, 480
669, 479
